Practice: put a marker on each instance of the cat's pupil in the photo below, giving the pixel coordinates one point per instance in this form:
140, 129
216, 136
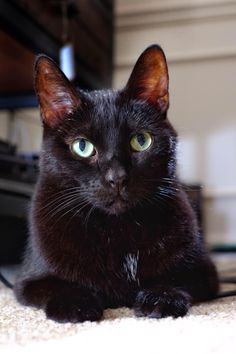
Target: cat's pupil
82, 144
141, 139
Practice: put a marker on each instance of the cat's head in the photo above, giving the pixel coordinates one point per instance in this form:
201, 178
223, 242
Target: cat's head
114, 148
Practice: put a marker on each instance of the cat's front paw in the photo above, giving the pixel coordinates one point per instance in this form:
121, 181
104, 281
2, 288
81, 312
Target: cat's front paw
73, 308
162, 302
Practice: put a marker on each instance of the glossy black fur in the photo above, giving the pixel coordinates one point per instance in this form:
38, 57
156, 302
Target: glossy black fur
93, 250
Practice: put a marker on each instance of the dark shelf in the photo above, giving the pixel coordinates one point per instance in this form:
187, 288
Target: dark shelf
35, 27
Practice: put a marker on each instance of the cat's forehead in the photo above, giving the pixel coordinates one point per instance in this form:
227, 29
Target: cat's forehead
109, 108
101, 97
107, 116
104, 108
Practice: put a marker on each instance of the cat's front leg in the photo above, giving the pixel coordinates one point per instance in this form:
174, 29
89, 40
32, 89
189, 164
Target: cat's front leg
61, 300
163, 301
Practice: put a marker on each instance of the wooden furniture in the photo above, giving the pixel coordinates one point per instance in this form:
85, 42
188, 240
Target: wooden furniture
30, 27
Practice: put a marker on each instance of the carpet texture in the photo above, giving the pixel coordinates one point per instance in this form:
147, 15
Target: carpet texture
208, 328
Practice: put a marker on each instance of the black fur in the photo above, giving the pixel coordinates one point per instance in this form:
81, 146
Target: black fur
90, 247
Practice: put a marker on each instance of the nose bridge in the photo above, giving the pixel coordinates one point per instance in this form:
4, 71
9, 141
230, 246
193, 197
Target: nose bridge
115, 174
114, 159
114, 163
115, 168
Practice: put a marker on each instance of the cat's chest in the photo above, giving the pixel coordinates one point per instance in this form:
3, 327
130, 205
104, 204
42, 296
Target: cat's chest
110, 268
130, 266
119, 261
110, 256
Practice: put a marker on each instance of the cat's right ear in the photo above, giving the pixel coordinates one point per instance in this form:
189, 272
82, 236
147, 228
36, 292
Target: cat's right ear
56, 95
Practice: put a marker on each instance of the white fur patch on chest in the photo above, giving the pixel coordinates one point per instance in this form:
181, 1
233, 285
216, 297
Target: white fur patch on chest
131, 265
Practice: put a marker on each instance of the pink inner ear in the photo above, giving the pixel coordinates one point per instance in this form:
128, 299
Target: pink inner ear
57, 107
149, 79
57, 97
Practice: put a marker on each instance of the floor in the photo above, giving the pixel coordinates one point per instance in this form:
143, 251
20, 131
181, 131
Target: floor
208, 328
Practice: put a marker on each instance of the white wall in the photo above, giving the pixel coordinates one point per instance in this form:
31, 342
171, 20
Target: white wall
199, 39
26, 130
22, 128
4, 121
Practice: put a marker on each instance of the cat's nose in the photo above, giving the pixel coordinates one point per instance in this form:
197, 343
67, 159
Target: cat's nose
116, 178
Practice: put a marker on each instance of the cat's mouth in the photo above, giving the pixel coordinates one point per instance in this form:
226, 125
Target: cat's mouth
116, 206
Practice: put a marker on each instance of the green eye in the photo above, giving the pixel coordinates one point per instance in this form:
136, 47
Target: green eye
141, 142
83, 148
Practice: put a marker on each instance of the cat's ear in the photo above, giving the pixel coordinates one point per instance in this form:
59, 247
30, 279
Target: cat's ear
57, 97
149, 79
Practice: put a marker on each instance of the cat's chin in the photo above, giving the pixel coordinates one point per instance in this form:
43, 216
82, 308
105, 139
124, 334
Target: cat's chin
116, 207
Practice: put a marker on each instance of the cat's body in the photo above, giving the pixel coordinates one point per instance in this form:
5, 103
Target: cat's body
115, 228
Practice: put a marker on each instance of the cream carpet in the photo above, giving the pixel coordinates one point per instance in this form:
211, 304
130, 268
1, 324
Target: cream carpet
208, 328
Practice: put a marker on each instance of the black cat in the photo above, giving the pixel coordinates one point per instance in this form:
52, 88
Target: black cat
110, 224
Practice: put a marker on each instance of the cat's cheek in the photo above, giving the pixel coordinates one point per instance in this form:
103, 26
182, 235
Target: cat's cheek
145, 158
140, 161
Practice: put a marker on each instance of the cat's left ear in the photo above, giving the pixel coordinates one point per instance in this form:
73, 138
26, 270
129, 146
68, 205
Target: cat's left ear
57, 97
149, 79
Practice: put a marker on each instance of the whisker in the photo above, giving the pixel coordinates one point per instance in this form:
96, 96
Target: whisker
161, 200
85, 203
62, 206
67, 189
77, 212
66, 212
166, 195
58, 200
88, 216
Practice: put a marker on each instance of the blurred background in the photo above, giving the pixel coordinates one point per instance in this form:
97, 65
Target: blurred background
96, 43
